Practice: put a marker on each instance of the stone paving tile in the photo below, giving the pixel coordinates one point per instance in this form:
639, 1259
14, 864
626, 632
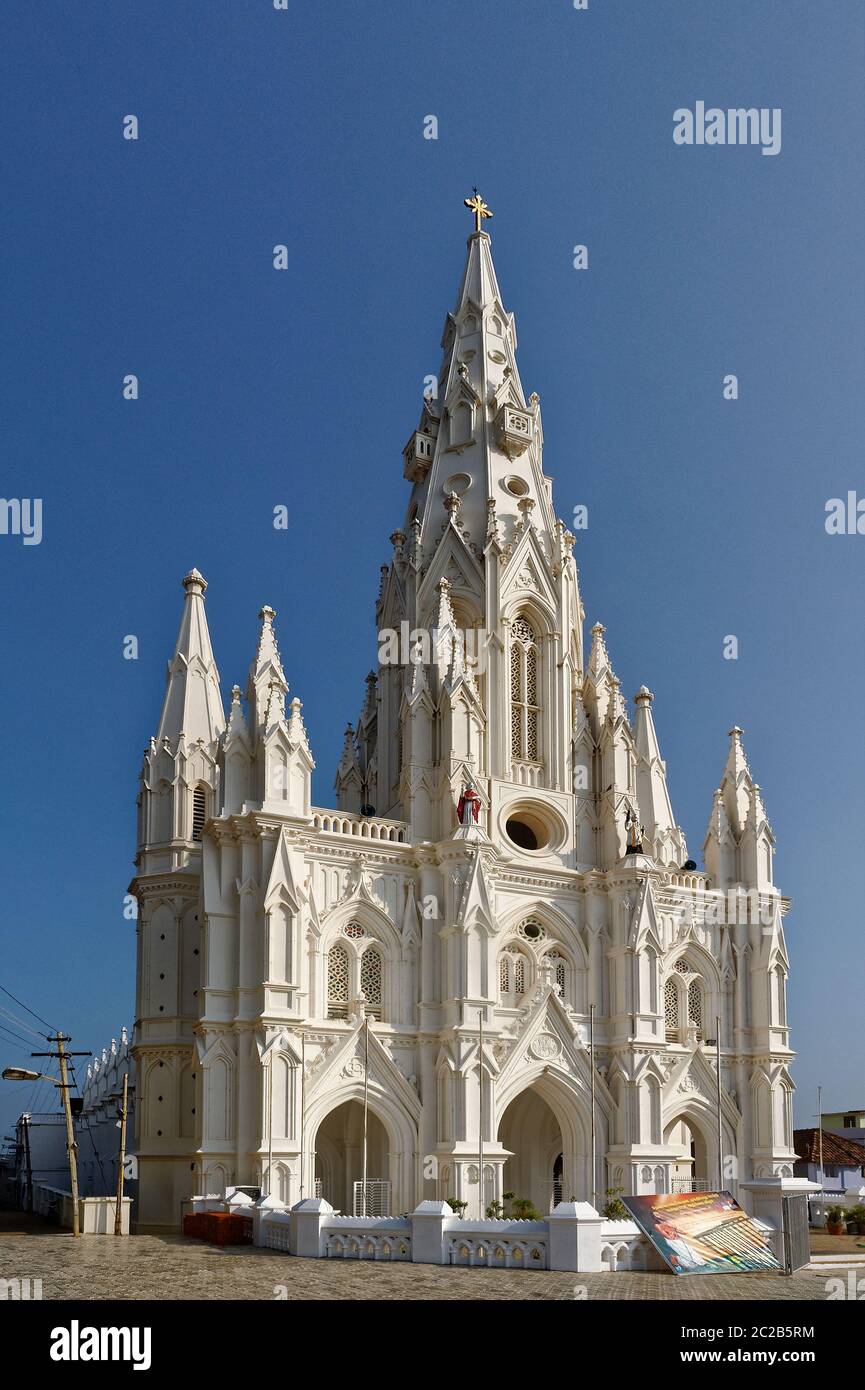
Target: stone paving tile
170, 1267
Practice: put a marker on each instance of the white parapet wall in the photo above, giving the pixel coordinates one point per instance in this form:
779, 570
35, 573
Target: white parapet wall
95, 1214
574, 1237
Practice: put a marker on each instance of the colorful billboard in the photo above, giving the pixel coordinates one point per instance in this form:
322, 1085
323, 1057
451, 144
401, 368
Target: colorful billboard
702, 1233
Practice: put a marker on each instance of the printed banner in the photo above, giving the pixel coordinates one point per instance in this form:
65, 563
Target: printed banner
702, 1233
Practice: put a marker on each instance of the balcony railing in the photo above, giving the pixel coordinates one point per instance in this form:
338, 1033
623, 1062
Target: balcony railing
363, 827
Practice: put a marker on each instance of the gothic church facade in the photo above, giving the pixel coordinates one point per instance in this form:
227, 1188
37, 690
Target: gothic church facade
523, 995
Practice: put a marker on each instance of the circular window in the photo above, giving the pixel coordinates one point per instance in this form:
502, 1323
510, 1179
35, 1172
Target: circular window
532, 931
522, 834
517, 487
533, 827
458, 483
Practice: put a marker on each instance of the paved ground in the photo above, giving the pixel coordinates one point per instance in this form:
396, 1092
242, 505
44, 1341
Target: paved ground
821, 1244
169, 1267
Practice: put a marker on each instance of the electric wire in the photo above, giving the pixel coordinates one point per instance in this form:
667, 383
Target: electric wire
15, 1037
27, 1010
20, 1022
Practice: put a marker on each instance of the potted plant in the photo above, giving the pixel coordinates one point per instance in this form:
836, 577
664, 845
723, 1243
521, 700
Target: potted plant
614, 1208
835, 1220
456, 1205
856, 1219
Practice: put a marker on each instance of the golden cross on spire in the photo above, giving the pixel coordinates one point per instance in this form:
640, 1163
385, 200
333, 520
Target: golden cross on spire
478, 207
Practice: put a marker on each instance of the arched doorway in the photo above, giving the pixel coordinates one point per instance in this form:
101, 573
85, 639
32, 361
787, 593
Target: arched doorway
531, 1131
690, 1168
339, 1160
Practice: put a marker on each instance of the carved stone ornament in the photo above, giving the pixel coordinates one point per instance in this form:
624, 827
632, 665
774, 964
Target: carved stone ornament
353, 1068
545, 1047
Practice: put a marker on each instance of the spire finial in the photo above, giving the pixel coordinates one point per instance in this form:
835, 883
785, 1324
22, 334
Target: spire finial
194, 582
478, 207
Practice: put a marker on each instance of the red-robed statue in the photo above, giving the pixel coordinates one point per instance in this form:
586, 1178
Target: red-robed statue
468, 806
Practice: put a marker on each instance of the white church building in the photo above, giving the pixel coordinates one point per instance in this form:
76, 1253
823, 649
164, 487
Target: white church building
493, 944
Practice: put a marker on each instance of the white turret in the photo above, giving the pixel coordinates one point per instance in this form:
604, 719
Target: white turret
663, 839
739, 843
179, 778
282, 762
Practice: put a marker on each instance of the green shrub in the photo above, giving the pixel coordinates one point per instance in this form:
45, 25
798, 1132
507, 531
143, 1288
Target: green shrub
614, 1208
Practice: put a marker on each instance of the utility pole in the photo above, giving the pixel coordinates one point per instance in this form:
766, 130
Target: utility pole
820, 1133
62, 1057
481, 1212
118, 1210
28, 1162
592, 1103
269, 1125
718, 1098
302, 1112
365, 1113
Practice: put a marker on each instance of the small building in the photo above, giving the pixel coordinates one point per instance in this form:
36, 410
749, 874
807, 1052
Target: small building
850, 1123
842, 1174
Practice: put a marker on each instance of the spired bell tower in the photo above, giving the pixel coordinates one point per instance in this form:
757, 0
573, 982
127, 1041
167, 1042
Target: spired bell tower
479, 614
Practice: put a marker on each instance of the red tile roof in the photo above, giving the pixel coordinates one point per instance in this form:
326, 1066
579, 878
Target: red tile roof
846, 1153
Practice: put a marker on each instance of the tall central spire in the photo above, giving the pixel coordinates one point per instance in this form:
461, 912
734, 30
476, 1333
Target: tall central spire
479, 438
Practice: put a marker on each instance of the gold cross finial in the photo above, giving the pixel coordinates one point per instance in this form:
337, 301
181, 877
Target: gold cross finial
477, 205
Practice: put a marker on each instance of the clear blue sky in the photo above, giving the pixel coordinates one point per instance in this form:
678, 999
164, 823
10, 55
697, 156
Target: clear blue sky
261, 387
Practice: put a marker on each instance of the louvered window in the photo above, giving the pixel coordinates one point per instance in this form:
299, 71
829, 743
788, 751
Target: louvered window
199, 812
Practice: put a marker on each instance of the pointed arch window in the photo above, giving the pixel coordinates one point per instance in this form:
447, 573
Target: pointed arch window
671, 1010
684, 1003
558, 961
199, 812
337, 981
513, 974
504, 974
695, 1006
371, 979
779, 1010
525, 699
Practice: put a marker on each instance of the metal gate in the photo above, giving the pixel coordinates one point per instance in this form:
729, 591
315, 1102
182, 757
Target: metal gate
797, 1244
376, 1200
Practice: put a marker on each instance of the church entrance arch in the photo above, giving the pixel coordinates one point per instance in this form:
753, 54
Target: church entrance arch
339, 1158
692, 1168
543, 1135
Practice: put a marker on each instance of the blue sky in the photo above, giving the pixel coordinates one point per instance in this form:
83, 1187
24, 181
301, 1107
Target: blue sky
260, 388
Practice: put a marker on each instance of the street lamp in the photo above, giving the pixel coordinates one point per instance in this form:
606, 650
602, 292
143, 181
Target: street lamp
24, 1074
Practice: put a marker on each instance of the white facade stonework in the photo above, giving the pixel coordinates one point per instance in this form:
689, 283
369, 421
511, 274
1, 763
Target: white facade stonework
269, 929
